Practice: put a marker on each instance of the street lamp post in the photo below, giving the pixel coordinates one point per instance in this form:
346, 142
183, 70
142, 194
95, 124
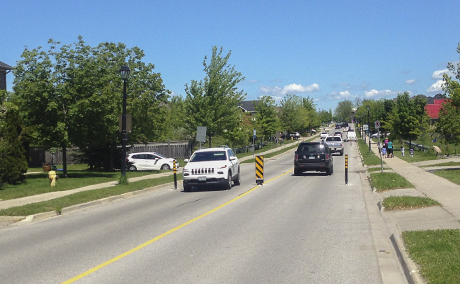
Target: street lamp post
124, 73
368, 127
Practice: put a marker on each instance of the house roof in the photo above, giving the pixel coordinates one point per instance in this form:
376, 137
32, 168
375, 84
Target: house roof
4, 66
248, 106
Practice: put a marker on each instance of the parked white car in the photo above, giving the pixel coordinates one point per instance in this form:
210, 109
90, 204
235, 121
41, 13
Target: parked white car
324, 135
149, 161
212, 166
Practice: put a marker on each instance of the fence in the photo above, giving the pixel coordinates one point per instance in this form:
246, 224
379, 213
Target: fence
173, 149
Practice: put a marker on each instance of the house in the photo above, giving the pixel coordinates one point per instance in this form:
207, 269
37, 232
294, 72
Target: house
434, 105
4, 69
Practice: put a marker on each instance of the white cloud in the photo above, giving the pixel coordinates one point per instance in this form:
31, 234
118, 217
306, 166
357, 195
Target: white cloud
436, 87
289, 89
379, 94
410, 82
437, 75
345, 95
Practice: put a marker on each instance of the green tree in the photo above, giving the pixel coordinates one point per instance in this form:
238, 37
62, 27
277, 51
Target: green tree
449, 115
266, 118
313, 118
14, 163
294, 116
408, 117
213, 102
72, 95
344, 110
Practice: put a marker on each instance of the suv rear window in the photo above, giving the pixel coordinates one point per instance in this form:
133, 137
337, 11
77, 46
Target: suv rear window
335, 138
310, 148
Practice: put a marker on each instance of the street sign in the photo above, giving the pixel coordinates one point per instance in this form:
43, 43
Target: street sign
377, 124
201, 134
365, 127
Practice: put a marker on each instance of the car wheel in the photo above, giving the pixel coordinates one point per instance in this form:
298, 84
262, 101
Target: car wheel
237, 180
341, 153
132, 168
228, 184
165, 167
297, 172
329, 171
187, 188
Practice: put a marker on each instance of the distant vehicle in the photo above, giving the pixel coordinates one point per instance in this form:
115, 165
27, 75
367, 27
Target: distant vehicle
313, 156
351, 135
335, 143
324, 135
338, 133
149, 161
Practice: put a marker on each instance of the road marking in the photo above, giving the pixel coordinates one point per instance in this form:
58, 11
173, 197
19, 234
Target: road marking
96, 268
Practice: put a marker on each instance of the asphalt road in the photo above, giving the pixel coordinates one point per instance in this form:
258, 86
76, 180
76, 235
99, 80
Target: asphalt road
294, 229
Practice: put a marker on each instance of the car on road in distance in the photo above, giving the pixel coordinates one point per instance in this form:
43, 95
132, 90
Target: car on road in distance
324, 135
211, 166
351, 136
335, 143
313, 156
338, 133
149, 161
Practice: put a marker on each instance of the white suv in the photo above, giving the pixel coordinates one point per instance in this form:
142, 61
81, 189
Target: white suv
212, 166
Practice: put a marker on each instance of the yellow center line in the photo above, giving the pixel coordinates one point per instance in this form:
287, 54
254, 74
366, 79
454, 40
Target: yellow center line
96, 268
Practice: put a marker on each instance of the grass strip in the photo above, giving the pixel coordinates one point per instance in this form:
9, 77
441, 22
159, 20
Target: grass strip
369, 158
437, 252
38, 183
408, 202
452, 175
83, 197
386, 181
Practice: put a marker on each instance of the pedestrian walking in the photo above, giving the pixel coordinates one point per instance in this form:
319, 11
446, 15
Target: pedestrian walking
402, 151
390, 149
411, 151
384, 152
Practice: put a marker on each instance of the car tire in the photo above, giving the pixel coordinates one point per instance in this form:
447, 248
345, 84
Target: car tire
228, 183
165, 167
132, 168
341, 153
237, 180
297, 172
187, 188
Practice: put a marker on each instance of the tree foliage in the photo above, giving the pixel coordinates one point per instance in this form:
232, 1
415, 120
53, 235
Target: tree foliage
294, 116
344, 110
72, 95
449, 115
408, 118
213, 101
13, 164
266, 118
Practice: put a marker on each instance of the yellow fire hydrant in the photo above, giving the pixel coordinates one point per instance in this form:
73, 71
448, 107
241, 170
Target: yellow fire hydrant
52, 176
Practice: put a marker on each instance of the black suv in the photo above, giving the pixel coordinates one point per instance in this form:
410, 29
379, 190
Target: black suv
313, 156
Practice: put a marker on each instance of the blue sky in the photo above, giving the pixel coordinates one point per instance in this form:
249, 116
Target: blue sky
327, 50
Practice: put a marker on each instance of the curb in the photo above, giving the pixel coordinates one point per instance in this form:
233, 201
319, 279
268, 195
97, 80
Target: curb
411, 274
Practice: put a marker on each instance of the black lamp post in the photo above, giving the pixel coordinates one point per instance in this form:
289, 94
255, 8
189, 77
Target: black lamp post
368, 127
124, 73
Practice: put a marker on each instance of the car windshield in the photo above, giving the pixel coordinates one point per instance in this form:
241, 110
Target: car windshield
208, 156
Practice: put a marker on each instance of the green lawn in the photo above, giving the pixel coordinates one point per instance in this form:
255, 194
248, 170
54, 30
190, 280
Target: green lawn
387, 181
452, 175
437, 252
408, 202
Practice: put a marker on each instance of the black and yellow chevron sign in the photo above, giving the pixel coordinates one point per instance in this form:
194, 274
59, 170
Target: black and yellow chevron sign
259, 169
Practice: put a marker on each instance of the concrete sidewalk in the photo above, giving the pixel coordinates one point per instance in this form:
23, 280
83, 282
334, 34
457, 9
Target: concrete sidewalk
426, 184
